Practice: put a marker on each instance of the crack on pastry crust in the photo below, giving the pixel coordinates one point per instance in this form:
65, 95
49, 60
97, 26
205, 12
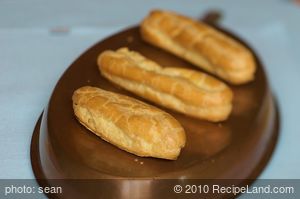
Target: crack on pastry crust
171, 101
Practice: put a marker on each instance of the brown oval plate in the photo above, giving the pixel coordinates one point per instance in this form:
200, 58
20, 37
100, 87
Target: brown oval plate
238, 148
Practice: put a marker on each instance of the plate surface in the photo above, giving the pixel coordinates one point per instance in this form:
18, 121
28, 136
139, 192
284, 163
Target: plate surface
238, 148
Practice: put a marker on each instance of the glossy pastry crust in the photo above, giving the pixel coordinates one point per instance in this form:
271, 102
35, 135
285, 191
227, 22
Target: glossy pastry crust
184, 90
199, 44
128, 123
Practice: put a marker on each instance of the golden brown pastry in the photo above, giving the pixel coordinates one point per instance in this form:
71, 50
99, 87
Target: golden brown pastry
187, 91
128, 123
199, 44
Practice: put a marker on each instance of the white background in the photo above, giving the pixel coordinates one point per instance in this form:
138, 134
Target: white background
33, 56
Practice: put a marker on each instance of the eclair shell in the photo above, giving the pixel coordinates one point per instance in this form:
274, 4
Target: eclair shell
184, 90
129, 124
200, 44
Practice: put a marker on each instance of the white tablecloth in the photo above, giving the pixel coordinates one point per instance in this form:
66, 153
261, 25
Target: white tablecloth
33, 56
